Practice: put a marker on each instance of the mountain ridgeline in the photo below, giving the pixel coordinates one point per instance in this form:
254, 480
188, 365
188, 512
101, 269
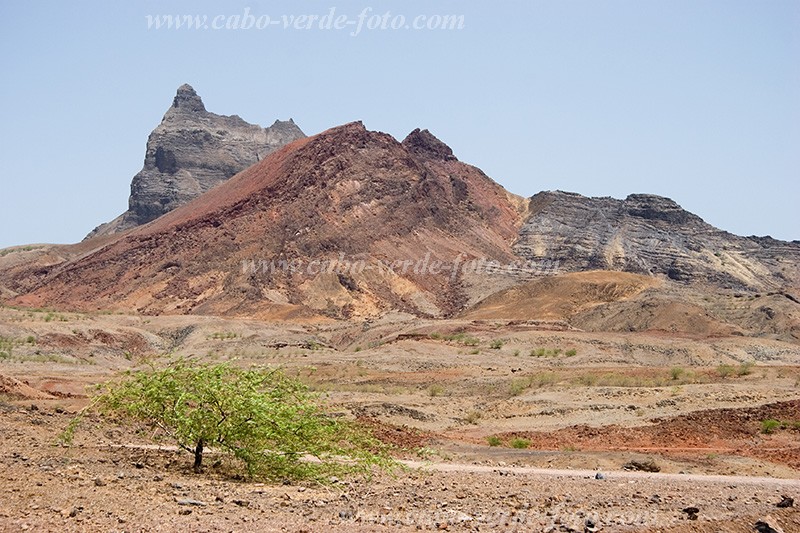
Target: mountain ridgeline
198, 239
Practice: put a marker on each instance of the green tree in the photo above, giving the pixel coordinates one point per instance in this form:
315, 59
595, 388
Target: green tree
268, 421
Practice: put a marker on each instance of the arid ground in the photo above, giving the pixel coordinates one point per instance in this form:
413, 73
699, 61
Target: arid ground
526, 426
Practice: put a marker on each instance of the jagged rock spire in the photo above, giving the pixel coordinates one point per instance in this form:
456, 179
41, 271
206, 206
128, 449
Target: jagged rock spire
187, 99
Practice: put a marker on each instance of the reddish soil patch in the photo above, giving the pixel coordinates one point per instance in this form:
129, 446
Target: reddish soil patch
403, 438
735, 431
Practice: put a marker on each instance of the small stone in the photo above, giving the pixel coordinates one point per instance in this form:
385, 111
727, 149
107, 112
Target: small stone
785, 502
599, 475
99, 482
185, 511
189, 501
768, 525
644, 466
691, 512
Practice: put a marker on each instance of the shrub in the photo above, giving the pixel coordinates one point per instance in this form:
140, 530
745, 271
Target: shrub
6, 347
267, 421
520, 443
518, 386
724, 370
435, 390
496, 344
676, 372
542, 379
473, 417
494, 440
769, 426
745, 369
572, 352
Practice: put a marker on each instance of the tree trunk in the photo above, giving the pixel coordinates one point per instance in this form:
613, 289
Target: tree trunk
198, 455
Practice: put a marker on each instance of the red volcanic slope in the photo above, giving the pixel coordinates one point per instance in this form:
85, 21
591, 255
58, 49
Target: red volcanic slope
345, 191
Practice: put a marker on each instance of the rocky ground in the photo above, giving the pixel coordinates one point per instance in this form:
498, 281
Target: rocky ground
669, 423
98, 486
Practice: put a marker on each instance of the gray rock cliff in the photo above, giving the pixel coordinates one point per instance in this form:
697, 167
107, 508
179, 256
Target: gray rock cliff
191, 151
652, 235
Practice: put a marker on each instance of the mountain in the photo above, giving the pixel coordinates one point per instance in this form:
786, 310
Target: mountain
346, 193
353, 223
652, 235
191, 151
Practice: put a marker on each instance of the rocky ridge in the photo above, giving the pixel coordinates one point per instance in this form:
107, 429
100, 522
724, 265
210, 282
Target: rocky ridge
191, 151
652, 235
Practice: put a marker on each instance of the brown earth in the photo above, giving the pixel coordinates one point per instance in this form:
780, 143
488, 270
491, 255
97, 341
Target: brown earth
437, 389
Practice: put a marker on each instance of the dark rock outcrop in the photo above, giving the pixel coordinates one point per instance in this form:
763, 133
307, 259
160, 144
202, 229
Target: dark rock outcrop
648, 234
424, 143
191, 151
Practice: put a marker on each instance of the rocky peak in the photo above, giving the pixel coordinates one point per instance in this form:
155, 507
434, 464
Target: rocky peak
187, 100
652, 207
191, 151
425, 144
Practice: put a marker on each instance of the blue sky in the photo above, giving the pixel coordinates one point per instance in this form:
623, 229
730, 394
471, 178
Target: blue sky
695, 100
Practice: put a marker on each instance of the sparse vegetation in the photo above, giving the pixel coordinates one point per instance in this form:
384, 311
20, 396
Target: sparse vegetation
518, 386
472, 417
744, 369
552, 352
223, 335
263, 419
770, 425
520, 443
6, 347
496, 344
458, 337
435, 390
7, 251
724, 370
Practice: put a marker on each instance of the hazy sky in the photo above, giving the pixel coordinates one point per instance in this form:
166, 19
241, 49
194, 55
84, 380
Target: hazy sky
695, 100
